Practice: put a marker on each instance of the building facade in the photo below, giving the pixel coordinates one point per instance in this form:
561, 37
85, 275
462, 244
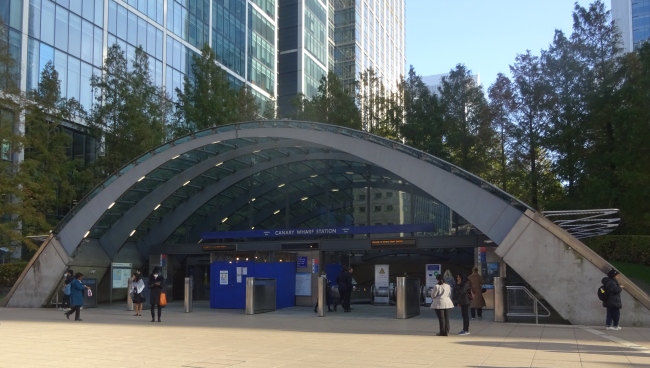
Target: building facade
369, 34
76, 34
633, 20
435, 81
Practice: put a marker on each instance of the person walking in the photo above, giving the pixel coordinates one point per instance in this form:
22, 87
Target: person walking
344, 280
476, 305
137, 287
462, 298
66, 289
441, 303
76, 296
156, 282
613, 302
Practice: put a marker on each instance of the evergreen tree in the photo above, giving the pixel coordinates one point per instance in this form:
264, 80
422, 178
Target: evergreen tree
246, 105
331, 105
501, 107
270, 109
423, 123
469, 139
207, 100
130, 115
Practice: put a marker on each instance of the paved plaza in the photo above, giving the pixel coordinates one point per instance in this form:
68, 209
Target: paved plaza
370, 336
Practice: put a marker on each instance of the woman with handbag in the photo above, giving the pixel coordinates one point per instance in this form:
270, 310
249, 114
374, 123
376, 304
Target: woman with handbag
441, 303
156, 283
137, 287
76, 296
477, 304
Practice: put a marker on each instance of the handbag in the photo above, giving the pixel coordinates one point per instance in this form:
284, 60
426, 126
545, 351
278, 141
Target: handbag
90, 293
163, 299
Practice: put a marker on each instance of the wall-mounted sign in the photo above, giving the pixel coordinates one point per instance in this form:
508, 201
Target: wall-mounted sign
303, 284
218, 247
382, 275
393, 243
323, 231
301, 261
223, 277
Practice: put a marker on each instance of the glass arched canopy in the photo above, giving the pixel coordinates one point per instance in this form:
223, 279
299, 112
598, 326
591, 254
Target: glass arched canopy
267, 181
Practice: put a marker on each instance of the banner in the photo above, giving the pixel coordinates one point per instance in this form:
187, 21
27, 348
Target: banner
384, 229
382, 275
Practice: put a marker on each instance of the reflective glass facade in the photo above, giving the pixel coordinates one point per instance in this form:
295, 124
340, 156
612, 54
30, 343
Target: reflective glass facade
75, 36
640, 21
632, 17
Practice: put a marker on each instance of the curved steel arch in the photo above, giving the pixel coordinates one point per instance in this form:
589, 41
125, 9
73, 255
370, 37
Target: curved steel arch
489, 209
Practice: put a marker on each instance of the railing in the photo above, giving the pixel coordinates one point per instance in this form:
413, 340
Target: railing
519, 303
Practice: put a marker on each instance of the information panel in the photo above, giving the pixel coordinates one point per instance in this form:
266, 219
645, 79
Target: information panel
121, 273
303, 284
432, 270
381, 281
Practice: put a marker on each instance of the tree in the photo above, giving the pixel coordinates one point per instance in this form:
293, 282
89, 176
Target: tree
246, 105
469, 140
422, 127
206, 99
501, 107
270, 109
331, 105
130, 115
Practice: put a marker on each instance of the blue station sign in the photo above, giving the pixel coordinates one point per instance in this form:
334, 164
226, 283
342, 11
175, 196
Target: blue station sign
383, 229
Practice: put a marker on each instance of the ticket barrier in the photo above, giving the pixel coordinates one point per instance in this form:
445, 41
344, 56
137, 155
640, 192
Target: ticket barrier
408, 297
260, 295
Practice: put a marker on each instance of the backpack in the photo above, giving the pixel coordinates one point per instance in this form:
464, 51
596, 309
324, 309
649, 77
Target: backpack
603, 294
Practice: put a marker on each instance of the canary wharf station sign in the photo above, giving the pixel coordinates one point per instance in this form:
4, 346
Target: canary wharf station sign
317, 232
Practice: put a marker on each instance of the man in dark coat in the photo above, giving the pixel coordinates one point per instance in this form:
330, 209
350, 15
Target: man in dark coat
613, 302
344, 281
66, 293
156, 283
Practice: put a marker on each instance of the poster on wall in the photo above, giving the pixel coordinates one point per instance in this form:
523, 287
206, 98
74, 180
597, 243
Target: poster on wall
223, 277
303, 284
301, 261
381, 280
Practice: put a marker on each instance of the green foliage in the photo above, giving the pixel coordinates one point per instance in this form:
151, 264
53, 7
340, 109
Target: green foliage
130, 115
331, 105
9, 273
622, 248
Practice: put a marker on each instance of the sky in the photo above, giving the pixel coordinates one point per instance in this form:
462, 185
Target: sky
485, 35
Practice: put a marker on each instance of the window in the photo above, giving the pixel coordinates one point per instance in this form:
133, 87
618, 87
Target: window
378, 195
389, 194
377, 208
362, 209
389, 208
362, 197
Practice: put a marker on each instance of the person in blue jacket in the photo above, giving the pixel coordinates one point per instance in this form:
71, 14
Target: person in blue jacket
76, 296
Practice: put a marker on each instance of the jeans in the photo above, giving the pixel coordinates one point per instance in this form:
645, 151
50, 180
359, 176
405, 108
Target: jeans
465, 312
613, 315
480, 312
443, 321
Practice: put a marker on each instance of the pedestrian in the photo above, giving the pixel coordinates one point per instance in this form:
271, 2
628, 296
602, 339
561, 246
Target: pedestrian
462, 299
613, 302
476, 305
66, 289
344, 280
328, 295
156, 283
449, 279
441, 303
137, 287
76, 296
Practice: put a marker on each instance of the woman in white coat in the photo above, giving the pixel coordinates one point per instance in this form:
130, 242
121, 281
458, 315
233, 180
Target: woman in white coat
441, 303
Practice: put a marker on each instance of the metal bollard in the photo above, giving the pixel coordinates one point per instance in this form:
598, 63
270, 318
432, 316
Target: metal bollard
499, 301
322, 295
189, 286
129, 300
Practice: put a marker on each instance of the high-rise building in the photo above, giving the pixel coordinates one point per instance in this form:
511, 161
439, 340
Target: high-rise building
369, 34
435, 81
303, 48
633, 20
76, 34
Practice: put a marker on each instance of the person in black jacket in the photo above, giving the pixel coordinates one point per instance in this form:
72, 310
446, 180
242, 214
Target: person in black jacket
344, 281
463, 286
156, 283
66, 294
613, 302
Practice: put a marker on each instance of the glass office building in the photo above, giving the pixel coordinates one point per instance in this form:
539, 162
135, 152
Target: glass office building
633, 20
370, 34
75, 36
